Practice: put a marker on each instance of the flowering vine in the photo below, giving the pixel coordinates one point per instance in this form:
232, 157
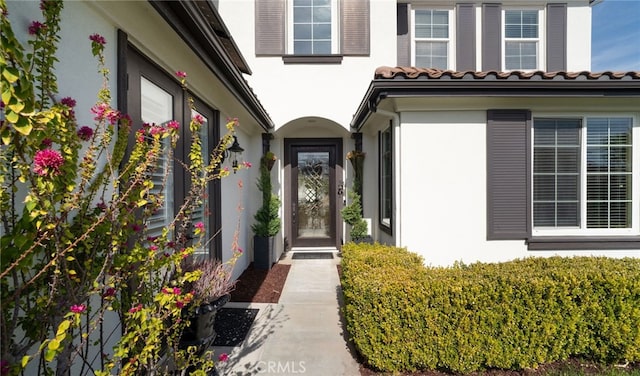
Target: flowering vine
73, 212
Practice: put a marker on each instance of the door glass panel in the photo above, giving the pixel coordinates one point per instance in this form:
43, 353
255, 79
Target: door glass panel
314, 207
157, 108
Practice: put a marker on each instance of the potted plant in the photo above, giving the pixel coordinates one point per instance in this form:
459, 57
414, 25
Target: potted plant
211, 291
267, 219
352, 215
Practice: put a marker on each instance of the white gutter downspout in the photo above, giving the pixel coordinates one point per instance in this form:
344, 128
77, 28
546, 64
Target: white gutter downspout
397, 203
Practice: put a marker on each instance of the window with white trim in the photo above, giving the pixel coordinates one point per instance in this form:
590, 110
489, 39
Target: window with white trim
583, 176
314, 26
386, 179
522, 42
432, 38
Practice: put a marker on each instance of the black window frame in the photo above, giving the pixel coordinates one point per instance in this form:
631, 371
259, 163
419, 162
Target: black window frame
132, 65
386, 181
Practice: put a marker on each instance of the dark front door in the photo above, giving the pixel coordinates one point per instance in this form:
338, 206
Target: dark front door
313, 193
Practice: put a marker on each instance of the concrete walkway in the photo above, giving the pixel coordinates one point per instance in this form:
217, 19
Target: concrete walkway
301, 335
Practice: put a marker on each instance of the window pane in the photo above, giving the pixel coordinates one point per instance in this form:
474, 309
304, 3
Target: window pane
302, 47
568, 160
322, 47
597, 187
544, 214
322, 14
544, 188
544, 160
568, 189
301, 3
322, 31
620, 187
529, 31
431, 54
597, 215
513, 31
620, 159
440, 17
620, 214
302, 31
301, 14
440, 31
568, 214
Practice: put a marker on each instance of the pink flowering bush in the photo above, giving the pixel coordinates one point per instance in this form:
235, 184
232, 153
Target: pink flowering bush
73, 211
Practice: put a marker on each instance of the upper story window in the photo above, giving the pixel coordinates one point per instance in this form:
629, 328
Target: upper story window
314, 27
432, 38
522, 42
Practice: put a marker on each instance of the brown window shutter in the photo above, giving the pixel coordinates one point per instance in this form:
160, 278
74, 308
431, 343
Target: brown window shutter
466, 37
556, 37
491, 37
355, 27
508, 174
404, 35
270, 26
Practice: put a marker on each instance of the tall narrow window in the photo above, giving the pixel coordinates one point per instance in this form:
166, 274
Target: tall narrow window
431, 38
312, 27
609, 173
521, 39
386, 179
556, 173
157, 108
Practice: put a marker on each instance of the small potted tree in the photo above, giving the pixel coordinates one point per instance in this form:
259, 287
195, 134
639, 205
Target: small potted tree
267, 219
352, 215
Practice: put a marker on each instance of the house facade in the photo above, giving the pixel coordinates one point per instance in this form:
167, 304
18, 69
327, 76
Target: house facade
472, 153
490, 150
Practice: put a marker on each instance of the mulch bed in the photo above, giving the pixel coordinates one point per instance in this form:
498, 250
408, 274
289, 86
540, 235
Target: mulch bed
261, 286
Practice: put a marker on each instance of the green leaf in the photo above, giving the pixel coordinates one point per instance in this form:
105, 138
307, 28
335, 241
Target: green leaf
25, 360
53, 346
11, 74
11, 116
16, 107
49, 355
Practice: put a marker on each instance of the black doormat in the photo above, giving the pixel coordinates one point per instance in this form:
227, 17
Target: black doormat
232, 325
312, 255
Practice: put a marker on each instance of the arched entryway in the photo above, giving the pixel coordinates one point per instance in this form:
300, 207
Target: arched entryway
312, 183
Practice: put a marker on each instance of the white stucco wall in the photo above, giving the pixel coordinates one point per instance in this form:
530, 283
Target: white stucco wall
578, 37
331, 91
443, 192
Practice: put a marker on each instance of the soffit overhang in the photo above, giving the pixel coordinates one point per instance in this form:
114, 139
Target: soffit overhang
198, 23
432, 84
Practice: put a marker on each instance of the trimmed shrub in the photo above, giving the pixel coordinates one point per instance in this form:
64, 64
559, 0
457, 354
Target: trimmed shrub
404, 316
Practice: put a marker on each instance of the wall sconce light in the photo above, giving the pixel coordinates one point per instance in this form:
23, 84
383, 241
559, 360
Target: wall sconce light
233, 151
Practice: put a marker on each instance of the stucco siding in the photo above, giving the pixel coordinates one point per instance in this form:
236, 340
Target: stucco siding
444, 190
332, 91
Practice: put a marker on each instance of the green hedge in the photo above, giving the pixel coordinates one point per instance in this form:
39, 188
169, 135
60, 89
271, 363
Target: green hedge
403, 316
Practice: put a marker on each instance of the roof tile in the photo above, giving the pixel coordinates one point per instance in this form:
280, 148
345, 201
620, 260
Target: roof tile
434, 74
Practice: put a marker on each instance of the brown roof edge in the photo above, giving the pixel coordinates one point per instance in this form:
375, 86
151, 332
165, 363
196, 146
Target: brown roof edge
397, 82
431, 73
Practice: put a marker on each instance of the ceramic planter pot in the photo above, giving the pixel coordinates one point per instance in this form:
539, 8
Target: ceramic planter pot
201, 329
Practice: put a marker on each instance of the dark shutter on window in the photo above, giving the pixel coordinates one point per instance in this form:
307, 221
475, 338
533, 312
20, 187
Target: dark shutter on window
556, 37
508, 171
355, 29
270, 24
466, 37
491, 37
404, 35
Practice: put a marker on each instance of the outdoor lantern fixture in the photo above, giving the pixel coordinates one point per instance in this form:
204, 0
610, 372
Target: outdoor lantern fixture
233, 151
